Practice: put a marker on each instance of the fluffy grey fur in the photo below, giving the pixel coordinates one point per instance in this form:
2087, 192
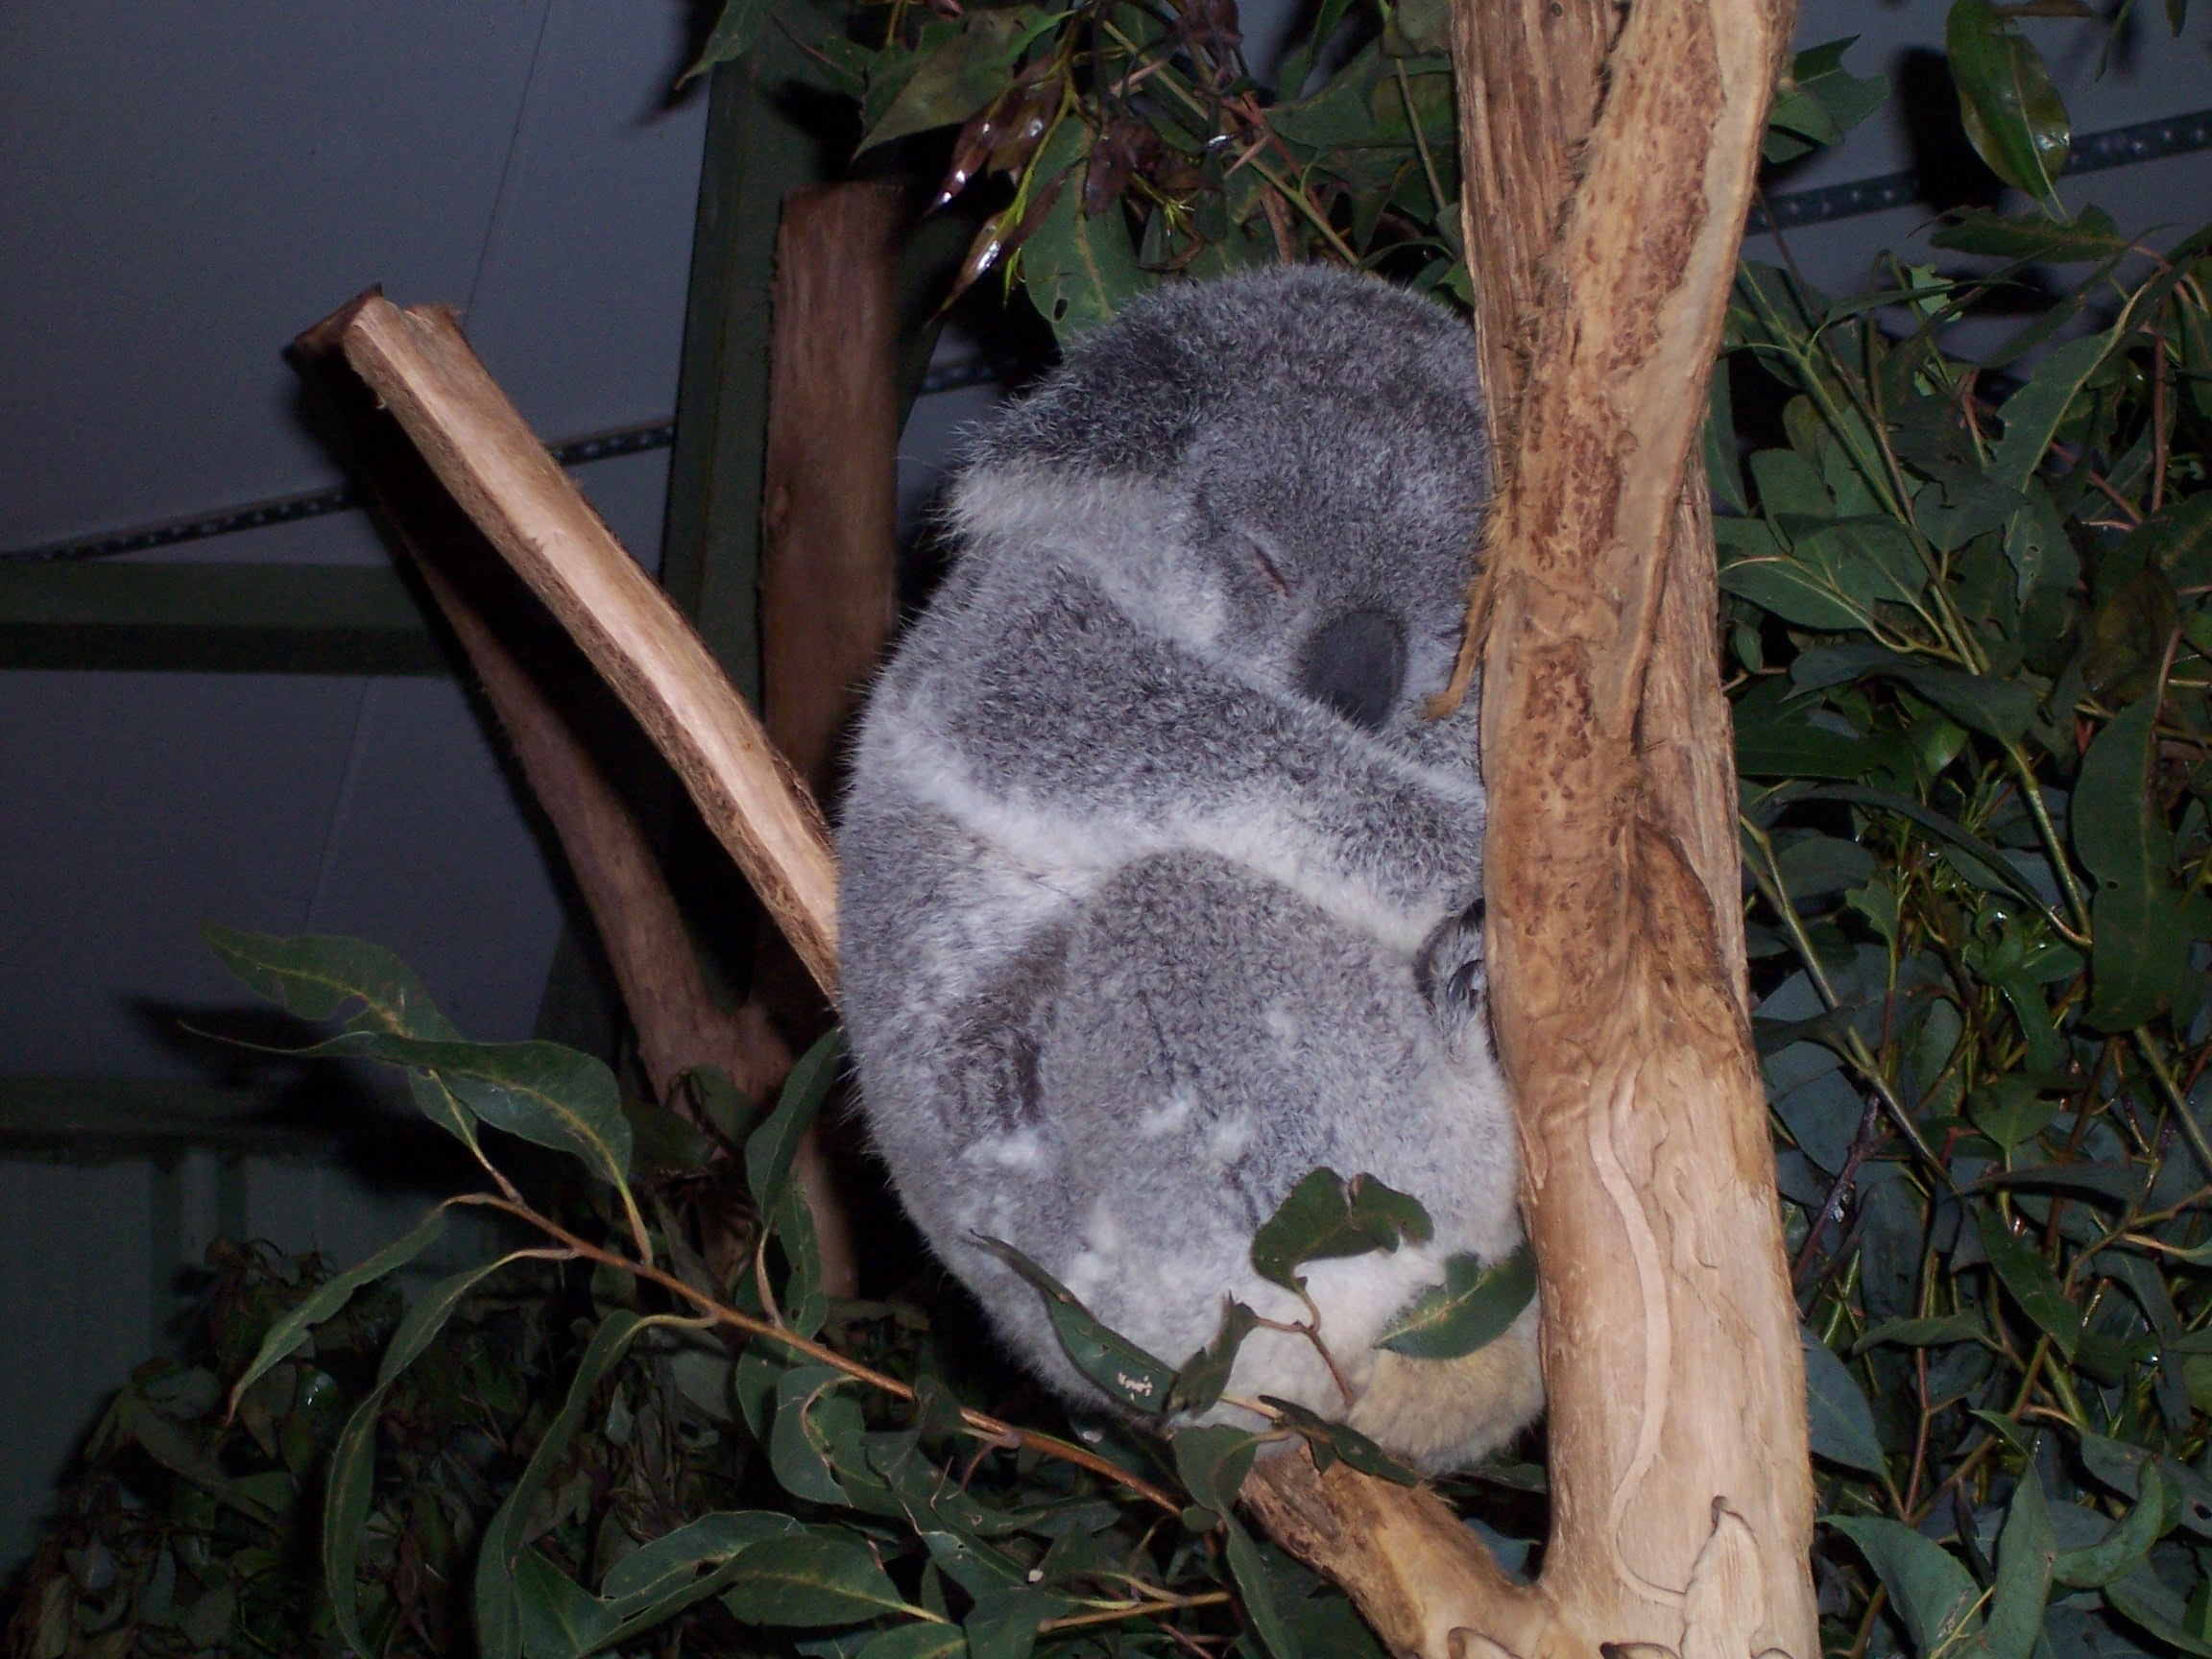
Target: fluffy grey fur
1158, 885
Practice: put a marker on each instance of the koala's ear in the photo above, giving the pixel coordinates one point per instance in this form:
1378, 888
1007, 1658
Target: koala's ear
1356, 664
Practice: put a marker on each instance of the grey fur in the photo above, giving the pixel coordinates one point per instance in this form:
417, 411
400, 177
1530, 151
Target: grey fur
1155, 877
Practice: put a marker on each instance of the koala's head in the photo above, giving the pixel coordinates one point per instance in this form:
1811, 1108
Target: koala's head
1287, 468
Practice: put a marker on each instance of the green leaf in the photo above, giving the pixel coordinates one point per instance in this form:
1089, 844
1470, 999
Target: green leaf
557, 1618
1322, 1218
1868, 559
916, 1642
770, 1148
1250, 1569
498, 1606
1985, 866
545, 1093
671, 1562
2033, 1284
1722, 472
1330, 1441
286, 1336
956, 78
2031, 238
1819, 101
1474, 1306
1934, 1594
2141, 952
1212, 1462
2144, 1601
2125, 1548
1791, 487
1933, 1333
1999, 708
1199, 1383
350, 1480
1109, 1359
1003, 1624
1842, 1423
798, 1447
810, 1579
1782, 733
1815, 866
2031, 414
2177, 540
1795, 592
2025, 1549
314, 977
2011, 1109
1080, 271
2010, 109
734, 34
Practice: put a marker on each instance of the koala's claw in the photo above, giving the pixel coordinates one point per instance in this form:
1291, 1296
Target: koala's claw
1451, 974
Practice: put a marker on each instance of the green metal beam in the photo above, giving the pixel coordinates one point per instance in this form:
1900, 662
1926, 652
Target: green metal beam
106, 1119
223, 618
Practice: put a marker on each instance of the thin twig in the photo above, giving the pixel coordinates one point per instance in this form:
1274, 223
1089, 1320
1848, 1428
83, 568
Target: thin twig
721, 1313
1135, 1610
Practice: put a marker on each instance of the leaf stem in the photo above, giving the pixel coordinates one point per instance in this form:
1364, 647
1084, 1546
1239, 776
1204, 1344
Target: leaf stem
981, 1422
1135, 1610
2192, 1131
1770, 881
1420, 138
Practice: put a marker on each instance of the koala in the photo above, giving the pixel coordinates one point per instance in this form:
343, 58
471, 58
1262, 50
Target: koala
1159, 890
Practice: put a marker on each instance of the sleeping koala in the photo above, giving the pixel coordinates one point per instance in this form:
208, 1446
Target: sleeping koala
1159, 890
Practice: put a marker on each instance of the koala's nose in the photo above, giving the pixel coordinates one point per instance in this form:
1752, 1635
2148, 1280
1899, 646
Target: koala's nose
1356, 664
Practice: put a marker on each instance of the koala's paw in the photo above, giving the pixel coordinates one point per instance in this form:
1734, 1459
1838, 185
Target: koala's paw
1450, 973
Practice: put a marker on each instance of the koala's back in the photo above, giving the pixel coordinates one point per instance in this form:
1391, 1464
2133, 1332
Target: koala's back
1131, 897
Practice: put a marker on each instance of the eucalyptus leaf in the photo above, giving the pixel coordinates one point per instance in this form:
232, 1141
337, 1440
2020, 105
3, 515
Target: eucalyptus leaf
1323, 1217
2125, 1548
1199, 1382
733, 35
2026, 1550
314, 977
1111, 1360
1934, 1596
290, 1330
2032, 413
2030, 1278
2010, 109
2141, 952
348, 1485
1474, 1307
544, 1093
1842, 1423
813, 1578
771, 1147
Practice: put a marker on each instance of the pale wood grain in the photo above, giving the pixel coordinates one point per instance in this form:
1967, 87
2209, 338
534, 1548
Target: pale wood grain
486, 457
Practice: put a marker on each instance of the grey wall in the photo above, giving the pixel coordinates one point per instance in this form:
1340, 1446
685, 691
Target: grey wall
187, 184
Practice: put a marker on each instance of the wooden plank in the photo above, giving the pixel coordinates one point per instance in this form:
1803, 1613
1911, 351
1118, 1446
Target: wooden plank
228, 618
828, 569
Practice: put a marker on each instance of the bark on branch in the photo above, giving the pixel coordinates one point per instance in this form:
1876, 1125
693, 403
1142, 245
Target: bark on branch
481, 450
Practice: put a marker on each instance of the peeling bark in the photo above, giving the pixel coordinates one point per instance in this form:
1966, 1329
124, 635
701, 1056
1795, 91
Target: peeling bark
1605, 194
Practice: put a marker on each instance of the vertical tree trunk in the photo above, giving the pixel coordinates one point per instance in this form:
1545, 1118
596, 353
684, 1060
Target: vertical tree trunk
1606, 185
